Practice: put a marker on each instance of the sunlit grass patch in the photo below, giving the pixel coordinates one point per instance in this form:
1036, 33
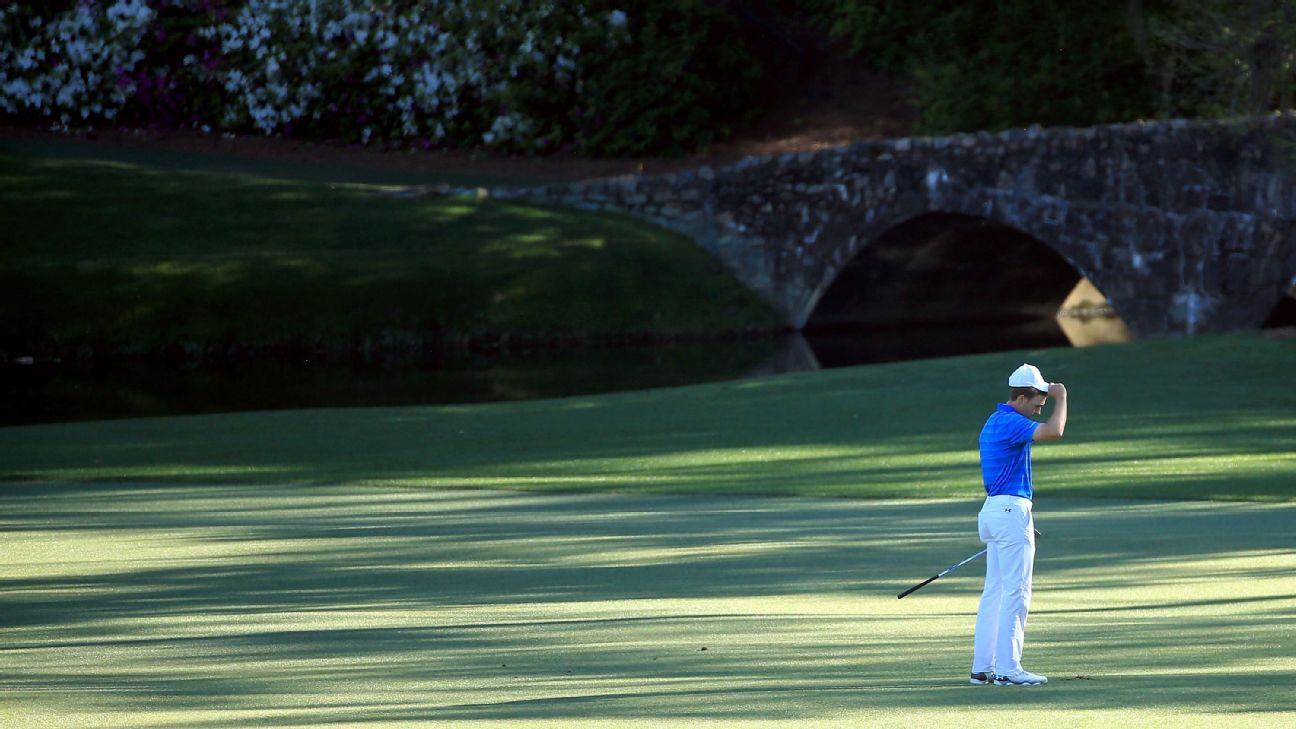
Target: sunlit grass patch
138, 605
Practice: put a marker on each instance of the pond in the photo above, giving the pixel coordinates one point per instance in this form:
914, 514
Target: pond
44, 393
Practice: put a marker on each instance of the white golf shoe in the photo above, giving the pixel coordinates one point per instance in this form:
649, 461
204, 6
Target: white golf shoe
1021, 678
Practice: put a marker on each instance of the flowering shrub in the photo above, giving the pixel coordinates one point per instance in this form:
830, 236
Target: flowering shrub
516, 75
74, 66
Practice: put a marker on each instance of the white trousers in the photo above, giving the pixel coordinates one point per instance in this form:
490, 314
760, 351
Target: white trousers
1006, 526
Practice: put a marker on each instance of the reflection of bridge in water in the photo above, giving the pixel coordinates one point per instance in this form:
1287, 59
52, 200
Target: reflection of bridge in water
1086, 318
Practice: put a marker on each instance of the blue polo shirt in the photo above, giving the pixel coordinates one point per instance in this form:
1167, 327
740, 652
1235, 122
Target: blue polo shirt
1006, 452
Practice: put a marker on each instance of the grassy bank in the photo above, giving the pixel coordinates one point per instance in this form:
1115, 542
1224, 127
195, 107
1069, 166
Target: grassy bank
1201, 418
129, 256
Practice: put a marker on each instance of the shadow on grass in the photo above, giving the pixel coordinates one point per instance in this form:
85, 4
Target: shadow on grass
311, 605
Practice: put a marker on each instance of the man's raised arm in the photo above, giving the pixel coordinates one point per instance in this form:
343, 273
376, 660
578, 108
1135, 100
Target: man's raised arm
1055, 426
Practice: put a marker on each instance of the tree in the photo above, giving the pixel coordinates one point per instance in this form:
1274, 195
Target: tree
991, 64
1223, 57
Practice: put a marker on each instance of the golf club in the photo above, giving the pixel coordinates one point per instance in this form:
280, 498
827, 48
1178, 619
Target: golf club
935, 577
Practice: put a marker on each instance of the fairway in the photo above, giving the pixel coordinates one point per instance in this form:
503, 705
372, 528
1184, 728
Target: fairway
663, 557
166, 606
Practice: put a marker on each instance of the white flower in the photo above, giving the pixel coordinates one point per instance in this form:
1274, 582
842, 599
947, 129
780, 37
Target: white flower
272, 72
17, 88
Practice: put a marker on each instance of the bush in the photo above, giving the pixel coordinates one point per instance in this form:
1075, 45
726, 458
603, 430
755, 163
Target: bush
677, 83
514, 75
73, 65
986, 65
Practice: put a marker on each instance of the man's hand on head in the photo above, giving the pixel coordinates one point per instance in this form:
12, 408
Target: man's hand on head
1055, 426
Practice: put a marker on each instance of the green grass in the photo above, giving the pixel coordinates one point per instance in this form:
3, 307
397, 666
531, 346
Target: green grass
220, 161
129, 256
1202, 418
264, 569
147, 605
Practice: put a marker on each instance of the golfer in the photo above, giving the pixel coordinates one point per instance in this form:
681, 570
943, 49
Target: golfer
1006, 526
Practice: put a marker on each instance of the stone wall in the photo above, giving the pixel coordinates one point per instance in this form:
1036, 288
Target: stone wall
1187, 226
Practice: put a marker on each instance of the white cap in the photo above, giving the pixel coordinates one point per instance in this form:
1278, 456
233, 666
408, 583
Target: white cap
1028, 376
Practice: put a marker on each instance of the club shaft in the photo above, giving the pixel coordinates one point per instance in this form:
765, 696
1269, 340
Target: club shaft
937, 576
918, 586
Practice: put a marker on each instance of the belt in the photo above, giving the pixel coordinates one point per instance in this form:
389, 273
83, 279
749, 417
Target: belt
1019, 501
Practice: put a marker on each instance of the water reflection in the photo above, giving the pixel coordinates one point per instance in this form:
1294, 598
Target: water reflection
46, 392
1088, 318
52, 393
49, 392
847, 346
1086, 331
1085, 318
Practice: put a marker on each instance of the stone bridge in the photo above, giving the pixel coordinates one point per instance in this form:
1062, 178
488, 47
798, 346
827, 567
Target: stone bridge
1186, 226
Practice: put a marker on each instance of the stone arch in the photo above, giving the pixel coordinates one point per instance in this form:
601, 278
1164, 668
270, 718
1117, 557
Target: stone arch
1092, 257
854, 237
940, 284
1283, 314
946, 260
